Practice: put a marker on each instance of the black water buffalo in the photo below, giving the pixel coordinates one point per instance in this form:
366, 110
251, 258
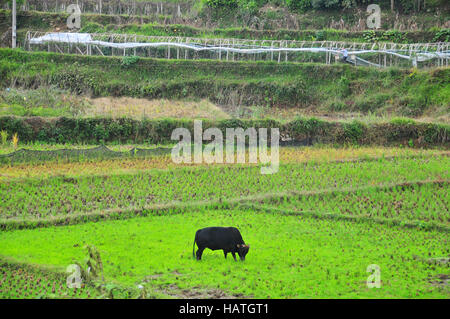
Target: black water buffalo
228, 239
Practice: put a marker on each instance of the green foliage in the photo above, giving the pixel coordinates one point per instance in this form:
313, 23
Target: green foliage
371, 103
328, 220
403, 121
129, 60
92, 266
222, 4
306, 129
43, 101
84, 195
9, 2
354, 131
248, 6
337, 106
269, 19
325, 4
93, 27
370, 36
381, 201
95, 130
442, 36
4, 136
343, 87
299, 5
320, 35
227, 83
393, 36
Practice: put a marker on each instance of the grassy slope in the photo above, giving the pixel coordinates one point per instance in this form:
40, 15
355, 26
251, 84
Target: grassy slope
334, 87
227, 26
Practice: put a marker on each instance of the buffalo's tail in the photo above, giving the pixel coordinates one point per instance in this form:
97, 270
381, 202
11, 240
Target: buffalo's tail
193, 246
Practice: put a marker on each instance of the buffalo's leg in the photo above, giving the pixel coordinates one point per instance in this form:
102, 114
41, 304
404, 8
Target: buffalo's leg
225, 253
234, 255
200, 252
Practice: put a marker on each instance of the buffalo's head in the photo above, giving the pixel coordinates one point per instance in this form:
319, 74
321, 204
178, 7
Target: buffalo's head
242, 250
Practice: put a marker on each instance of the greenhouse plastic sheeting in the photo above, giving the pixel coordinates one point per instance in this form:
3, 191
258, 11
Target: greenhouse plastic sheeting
86, 38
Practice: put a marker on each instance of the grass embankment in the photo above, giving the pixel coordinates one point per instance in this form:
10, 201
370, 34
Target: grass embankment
302, 131
338, 88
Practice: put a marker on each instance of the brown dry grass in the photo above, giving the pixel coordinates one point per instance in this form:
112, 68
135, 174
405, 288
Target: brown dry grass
286, 114
136, 165
139, 108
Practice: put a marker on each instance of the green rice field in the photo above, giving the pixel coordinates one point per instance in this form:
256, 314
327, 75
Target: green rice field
313, 228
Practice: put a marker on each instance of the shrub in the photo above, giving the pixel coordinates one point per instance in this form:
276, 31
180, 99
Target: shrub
320, 35
95, 130
354, 131
337, 106
393, 36
370, 36
298, 5
371, 103
248, 6
413, 105
437, 133
222, 4
442, 36
343, 87
92, 27
129, 60
305, 128
325, 4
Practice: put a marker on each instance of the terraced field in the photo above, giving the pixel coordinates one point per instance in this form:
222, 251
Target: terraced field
57, 196
92, 206
314, 227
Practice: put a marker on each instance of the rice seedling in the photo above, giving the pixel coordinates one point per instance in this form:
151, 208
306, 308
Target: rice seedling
290, 256
56, 196
314, 227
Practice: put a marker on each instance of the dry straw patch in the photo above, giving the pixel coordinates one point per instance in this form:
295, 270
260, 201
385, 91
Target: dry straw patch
135, 165
163, 108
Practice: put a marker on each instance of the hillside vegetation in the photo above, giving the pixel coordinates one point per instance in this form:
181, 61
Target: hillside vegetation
335, 88
427, 28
